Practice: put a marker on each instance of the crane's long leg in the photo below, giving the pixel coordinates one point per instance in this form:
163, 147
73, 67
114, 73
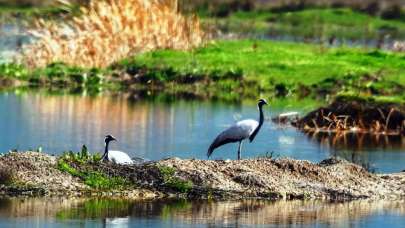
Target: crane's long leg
239, 149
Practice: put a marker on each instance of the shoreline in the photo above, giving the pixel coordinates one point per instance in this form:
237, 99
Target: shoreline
37, 174
195, 74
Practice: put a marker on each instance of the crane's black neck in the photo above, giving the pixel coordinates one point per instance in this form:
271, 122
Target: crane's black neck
105, 155
261, 120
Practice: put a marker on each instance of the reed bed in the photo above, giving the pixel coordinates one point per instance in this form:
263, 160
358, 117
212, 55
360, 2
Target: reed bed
332, 122
109, 30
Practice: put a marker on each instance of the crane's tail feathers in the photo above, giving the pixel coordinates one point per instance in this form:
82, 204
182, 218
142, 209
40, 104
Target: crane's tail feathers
210, 151
219, 142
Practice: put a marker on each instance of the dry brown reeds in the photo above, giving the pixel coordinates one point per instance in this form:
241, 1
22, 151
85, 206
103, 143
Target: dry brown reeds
110, 30
332, 122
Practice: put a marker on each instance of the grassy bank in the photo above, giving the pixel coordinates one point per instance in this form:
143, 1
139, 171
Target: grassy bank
311, 23
284, 67
246, 67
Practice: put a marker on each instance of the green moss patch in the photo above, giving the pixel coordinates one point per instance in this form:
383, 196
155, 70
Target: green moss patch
173, 182
83, 165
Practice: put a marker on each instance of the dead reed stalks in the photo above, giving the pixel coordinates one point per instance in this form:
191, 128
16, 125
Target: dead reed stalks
110, 30
345, 123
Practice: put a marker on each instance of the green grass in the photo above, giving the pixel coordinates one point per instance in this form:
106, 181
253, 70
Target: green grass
312, 23
94, 179
56, 74
228, 69
271, 64
376, 100
173, 182
83, 162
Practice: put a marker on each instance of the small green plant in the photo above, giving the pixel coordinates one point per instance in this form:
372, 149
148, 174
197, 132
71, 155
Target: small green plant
210, 195
82, 157
99, 180
173, 182
13, 70
65, 167
307, 195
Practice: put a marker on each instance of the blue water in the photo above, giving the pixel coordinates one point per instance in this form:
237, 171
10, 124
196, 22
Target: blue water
158, 129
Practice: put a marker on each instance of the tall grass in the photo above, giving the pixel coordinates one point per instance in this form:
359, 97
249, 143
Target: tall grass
109, 30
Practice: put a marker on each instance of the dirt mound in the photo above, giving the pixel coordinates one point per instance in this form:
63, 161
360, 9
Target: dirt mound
355, 115
287, 178
252, 178
38, 170
37, 174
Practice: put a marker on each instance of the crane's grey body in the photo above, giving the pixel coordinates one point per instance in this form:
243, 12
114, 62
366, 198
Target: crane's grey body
240, 131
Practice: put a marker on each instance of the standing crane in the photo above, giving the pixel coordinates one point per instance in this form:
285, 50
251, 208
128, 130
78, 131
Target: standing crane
240, 131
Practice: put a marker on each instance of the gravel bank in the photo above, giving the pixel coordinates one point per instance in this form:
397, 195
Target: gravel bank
37, 174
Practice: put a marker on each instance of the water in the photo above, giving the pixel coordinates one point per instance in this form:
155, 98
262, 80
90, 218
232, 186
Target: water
154, 129
51, 212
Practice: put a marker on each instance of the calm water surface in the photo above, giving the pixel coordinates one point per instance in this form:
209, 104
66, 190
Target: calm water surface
124, 213
157, 129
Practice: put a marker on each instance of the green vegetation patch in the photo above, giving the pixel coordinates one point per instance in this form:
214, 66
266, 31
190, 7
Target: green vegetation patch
173, 182
368, 100
82, 165
321, 23
286, 67
231, 68
56, 74
163, 73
